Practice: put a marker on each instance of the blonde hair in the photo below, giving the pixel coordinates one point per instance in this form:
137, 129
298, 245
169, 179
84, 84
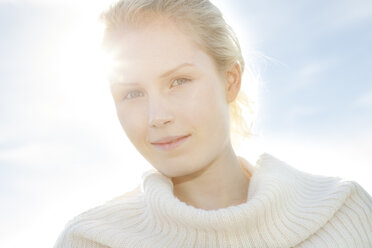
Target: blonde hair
205, 20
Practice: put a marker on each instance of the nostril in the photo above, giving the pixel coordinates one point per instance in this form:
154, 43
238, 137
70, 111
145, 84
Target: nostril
159, 122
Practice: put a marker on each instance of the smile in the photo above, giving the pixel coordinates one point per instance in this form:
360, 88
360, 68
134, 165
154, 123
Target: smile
172, 144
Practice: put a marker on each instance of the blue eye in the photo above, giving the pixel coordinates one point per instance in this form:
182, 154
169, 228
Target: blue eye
133, 94
179, 81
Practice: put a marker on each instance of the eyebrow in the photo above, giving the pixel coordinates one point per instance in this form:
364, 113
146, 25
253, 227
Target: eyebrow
164, 75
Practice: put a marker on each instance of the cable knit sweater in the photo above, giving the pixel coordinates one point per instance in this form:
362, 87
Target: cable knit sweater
285, 208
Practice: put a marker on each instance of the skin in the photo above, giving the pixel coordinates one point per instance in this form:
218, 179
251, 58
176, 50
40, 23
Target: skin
165, 84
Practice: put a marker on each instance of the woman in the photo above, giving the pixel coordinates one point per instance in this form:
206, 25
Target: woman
175, 84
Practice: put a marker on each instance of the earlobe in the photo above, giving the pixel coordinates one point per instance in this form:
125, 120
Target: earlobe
233, 82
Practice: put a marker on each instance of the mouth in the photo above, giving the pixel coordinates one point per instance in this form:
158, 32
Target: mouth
171, 143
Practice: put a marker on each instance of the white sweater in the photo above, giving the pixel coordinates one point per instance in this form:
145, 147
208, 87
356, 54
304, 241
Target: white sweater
285, 208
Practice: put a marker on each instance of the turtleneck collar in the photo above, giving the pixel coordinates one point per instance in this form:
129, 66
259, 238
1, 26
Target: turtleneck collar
282, 202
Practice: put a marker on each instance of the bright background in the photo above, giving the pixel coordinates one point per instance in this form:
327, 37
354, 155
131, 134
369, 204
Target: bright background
62, 150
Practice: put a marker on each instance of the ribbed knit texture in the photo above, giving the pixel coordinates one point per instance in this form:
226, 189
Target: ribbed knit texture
285, 208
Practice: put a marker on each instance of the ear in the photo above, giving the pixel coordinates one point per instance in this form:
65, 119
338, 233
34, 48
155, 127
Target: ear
233, 82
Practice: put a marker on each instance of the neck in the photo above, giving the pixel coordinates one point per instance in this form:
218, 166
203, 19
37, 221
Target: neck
220, 184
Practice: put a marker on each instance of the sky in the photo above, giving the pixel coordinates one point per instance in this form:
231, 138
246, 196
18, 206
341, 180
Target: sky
62, 150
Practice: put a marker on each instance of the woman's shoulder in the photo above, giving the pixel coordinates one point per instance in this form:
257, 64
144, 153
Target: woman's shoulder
327, 209
84, 229
350, 216
331, 193
328, 204
128, 195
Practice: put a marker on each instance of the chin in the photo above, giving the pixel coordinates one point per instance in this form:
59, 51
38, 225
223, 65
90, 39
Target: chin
174, 172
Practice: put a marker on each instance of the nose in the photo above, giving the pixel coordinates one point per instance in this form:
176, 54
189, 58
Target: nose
159, 113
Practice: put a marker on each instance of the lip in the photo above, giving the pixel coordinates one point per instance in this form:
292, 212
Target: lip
171, 142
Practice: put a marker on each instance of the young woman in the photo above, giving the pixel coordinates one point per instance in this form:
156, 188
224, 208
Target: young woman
175, 85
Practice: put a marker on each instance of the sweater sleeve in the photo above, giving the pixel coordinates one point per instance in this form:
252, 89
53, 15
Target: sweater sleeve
75, 233
351, 226
68, 240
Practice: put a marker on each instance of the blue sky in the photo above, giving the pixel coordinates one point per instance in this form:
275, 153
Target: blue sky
62, 150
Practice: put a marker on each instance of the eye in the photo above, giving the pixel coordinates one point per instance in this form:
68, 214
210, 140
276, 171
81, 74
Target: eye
133, 94
179, 81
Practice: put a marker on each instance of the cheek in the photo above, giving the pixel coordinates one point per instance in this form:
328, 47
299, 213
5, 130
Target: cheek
208, 107
133, 122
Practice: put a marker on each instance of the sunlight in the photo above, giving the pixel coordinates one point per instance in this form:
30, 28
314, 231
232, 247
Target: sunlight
73, 96
64, 150
79, 66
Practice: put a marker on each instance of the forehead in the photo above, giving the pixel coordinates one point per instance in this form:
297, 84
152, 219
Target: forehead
156, 46
153, 39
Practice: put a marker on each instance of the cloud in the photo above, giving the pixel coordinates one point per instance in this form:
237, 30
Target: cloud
297, 112
364, 100
47, 183
310, 73
87, 3
356, 10
338, 15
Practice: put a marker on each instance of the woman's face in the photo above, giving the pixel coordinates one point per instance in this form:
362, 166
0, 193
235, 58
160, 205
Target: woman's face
166, 87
